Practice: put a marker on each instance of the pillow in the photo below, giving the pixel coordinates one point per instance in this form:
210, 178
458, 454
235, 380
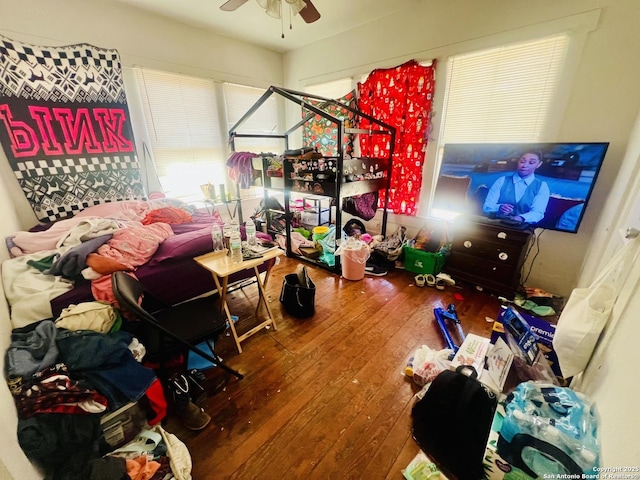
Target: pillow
189, 244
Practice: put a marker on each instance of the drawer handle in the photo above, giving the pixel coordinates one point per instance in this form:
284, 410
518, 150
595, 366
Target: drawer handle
502, 235
503, 256
467, 244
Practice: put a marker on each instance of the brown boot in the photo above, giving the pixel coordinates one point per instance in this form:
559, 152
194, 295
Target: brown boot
192, 416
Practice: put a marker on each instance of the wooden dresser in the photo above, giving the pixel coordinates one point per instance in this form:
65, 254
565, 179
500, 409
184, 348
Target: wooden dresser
488, 254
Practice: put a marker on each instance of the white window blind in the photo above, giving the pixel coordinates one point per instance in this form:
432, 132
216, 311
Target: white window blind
182, 120
239, 99
502, 94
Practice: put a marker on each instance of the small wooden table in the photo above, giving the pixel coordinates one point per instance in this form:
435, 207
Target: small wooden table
221, 267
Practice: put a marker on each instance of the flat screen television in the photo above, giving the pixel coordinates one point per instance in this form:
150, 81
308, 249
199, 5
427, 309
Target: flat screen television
481, 179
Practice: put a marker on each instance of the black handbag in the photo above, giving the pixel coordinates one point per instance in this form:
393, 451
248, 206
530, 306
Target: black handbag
298, 294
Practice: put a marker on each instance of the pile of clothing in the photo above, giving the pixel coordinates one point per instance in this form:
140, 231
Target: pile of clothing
63, 380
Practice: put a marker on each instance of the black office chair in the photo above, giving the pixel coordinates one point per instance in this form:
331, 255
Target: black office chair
166, 331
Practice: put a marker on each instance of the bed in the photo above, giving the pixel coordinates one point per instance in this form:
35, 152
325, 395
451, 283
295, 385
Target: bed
158, 240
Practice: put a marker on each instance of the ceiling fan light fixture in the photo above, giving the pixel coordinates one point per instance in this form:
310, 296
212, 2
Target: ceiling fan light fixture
296, 5
274, 8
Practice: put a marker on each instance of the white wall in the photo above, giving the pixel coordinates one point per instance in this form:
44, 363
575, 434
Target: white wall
601, 103
142, 40
609, 379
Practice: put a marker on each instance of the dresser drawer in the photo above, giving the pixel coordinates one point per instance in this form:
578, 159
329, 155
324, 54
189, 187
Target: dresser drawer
488, 255
481, 270
501, 252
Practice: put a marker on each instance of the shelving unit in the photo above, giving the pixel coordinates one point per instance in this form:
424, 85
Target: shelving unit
317, 178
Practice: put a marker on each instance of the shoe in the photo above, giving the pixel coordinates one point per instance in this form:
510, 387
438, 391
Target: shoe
446, 279
192, 416
196, 381
374, 270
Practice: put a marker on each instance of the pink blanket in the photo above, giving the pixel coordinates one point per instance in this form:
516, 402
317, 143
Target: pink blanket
134, 246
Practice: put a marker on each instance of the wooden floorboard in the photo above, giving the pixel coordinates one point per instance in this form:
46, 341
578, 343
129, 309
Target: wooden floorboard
325, 397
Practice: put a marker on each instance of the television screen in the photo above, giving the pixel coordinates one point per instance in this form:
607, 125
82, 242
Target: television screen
545, 185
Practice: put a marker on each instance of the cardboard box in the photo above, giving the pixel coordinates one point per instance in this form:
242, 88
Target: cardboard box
472, 352
498, 364
526, 345
544, 333
496, 467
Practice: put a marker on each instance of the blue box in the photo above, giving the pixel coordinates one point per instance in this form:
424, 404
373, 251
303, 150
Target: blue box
543, 331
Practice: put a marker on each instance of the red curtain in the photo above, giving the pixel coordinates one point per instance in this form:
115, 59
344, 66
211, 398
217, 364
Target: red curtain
400, 97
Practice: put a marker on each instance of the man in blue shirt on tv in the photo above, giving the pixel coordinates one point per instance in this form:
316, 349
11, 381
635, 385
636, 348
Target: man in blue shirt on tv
520, 196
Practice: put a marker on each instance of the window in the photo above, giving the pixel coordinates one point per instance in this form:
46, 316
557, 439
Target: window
503, 94
181, 115
188, 127
239, 99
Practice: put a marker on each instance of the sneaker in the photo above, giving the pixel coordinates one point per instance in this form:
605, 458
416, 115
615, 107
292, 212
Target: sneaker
446, 279
374, 270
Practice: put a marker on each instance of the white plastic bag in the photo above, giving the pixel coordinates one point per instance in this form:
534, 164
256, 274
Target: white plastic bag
428, 363
588, 310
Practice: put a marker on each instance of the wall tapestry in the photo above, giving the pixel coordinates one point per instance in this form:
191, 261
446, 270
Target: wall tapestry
400, 97
64, 127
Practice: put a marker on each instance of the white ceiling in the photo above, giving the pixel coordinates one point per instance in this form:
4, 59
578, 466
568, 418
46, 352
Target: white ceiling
251, 24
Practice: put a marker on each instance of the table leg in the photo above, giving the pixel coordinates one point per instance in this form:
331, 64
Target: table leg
263, 296
222, 290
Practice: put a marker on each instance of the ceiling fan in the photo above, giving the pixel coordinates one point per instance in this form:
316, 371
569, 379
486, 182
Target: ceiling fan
305, 8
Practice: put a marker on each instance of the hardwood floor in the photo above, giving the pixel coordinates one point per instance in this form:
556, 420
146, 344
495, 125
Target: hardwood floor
325, 397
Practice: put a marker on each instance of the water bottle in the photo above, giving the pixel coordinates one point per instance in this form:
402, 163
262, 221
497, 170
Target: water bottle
226, 235
236, 247
216, 237
235, 226
250, 229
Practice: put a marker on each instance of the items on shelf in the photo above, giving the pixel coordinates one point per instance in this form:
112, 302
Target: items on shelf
317, 178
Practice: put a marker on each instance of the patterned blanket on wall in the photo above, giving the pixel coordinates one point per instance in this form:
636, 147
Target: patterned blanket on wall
65, 128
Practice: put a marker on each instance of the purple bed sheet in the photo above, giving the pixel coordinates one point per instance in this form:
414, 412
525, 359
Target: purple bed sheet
171, 275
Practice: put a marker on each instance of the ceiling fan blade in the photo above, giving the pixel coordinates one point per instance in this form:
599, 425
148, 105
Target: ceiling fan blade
231, 5
309, 13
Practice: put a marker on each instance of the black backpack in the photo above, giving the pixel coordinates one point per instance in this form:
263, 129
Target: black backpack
451, 423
